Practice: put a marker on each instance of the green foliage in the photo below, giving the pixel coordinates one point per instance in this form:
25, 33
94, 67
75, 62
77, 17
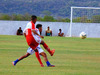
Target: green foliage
39, 18
20, 17
59, 19
4, 17
67, 20
26, 17
81, 19
84, 19
96, 19
48, 18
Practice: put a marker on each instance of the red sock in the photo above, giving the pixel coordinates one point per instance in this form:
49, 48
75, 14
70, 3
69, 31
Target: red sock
38, 57
46, 47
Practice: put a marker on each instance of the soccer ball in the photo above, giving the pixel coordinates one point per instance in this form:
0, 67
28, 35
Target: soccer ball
83, 35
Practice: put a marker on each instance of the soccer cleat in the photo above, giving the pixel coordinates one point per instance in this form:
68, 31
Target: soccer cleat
52, 52
42, 65
14, 63
51, 66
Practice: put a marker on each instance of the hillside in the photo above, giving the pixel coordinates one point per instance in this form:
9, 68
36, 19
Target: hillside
57, 8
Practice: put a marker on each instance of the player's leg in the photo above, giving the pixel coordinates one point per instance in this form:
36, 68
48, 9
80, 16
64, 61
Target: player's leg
39, 41
42, 53
33, 44
46, 59
38, 57
44, 56
22, 57
47, 48
29, 52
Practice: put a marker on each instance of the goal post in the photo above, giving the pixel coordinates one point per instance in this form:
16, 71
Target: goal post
87, 9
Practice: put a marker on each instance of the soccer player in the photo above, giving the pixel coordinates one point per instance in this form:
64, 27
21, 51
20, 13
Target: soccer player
33, 39
30, 51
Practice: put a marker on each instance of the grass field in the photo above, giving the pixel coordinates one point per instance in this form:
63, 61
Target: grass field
73, 56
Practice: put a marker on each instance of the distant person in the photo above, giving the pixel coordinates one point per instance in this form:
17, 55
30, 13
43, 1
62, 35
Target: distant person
19, 31
48, 31
60, 33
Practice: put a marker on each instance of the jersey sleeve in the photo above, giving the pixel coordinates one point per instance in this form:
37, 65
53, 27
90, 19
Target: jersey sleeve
24, 31
29, 26
37, 30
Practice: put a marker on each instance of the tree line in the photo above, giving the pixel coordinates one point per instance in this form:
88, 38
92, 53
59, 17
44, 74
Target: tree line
48, 18
85, 19
26, 17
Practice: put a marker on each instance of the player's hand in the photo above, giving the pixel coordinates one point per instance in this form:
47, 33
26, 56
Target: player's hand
41, 36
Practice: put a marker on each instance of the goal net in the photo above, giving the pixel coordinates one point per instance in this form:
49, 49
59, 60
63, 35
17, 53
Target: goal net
85, 19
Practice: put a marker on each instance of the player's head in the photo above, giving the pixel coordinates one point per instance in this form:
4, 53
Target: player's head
48, 27
39, 26
19, 28
60, 30
34, 18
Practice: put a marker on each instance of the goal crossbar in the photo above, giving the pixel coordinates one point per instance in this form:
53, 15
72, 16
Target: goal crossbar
86, 7
73, 7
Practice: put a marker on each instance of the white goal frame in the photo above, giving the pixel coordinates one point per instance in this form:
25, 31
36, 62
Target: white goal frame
71, 17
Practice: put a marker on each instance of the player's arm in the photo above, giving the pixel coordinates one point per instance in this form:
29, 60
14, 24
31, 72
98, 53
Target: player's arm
37, 33
24, 32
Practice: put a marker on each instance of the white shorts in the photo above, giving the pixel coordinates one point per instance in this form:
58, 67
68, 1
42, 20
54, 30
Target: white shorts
37, 39
30, 51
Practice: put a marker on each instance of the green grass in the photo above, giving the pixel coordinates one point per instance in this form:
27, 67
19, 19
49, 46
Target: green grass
73, 56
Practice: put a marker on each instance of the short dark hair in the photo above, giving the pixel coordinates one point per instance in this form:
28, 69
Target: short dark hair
59, 29
38, 25
33, 17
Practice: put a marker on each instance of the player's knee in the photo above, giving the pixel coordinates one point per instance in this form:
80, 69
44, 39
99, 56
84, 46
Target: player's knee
42, 42
27, 55
44, 55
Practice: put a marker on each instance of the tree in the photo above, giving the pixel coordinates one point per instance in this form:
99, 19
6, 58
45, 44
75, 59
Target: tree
5, 17
67, 19
81, 19
26, 17
96, 19
48, 18
39, 18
